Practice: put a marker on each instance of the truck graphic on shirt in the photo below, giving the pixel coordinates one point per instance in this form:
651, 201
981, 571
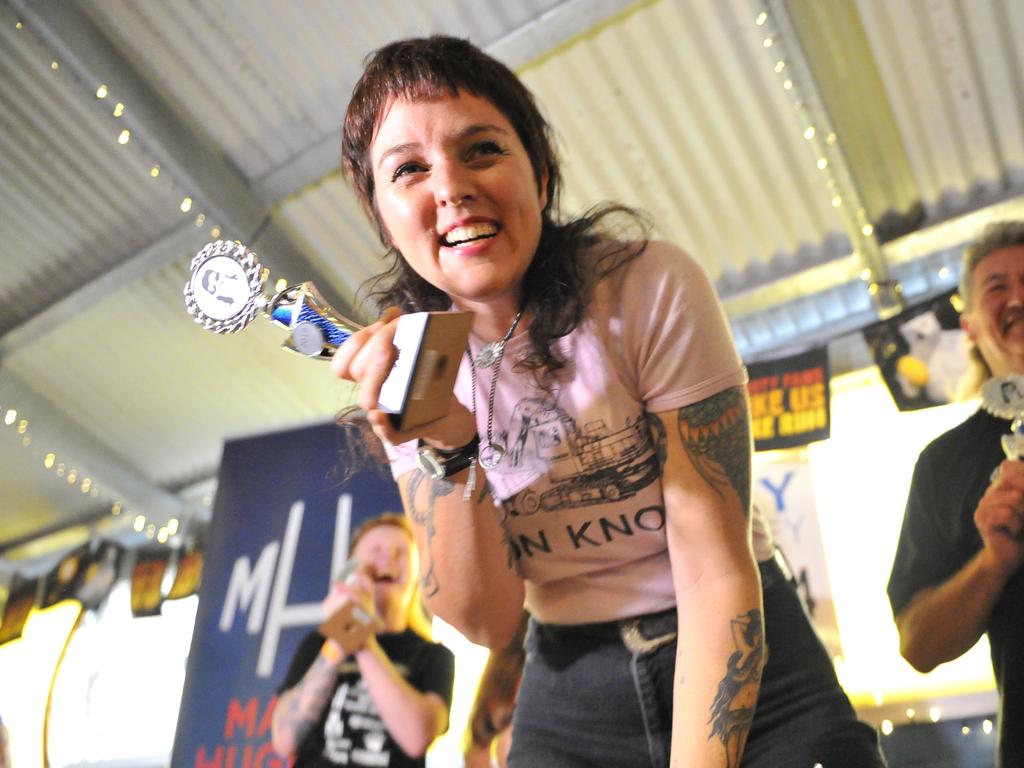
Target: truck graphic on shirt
585, 466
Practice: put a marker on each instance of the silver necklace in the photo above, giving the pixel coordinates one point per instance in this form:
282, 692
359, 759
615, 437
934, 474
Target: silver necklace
491, 453
492, 351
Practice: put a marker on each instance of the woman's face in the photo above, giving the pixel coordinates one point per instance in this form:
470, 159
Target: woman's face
457, 195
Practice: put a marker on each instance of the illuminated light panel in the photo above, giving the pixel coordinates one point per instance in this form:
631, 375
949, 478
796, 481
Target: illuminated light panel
139, 524
49, 460
855, 516
10, 416
27, 667
125, 137
762, 17
154, 171
186, 205
102, 91
118, 109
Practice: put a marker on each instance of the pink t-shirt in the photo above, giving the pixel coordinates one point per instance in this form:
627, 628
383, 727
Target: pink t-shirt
579, 489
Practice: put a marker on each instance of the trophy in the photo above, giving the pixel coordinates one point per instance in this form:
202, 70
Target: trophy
224, 293
1004, 397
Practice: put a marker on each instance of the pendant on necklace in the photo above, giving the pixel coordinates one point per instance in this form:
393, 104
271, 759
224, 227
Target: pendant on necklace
489, 354
491, 455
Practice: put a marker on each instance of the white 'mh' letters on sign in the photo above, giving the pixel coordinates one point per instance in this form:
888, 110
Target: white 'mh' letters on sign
263, 590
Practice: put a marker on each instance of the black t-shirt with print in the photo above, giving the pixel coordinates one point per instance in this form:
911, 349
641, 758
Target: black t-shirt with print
351, 731
939, 537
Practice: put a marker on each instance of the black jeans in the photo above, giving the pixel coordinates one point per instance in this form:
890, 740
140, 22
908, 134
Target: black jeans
601, 695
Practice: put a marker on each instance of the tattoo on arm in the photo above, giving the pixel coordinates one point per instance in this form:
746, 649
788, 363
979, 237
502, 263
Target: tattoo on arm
733, 708
659, 438
308, 699
716, 436
424, 518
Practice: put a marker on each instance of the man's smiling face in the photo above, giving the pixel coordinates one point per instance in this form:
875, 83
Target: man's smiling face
995, 319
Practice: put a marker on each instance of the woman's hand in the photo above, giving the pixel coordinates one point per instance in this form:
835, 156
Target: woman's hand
367, 358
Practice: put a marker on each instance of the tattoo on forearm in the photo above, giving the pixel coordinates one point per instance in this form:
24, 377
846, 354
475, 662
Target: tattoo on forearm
309, 697
424, 518
716, 436
733, 708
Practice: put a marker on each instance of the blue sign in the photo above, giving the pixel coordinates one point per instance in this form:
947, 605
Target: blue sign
280, 528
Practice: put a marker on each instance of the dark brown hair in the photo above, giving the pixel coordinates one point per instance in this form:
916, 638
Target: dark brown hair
556, 287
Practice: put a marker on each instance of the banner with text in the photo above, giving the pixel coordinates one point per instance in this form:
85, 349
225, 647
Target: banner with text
789, 400
281, 524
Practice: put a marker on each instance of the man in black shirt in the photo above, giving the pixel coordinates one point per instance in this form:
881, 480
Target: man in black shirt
957, 572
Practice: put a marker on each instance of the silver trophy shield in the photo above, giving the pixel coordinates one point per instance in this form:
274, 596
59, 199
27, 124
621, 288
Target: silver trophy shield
224, 293
1004, 397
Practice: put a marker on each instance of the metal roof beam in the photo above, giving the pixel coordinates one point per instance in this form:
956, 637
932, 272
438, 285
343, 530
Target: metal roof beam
172, 246
217, 188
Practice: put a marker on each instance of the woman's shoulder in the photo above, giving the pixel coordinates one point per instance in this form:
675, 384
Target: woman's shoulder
646, 262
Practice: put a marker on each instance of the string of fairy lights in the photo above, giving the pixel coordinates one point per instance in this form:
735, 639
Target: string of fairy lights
60, 467
795, 78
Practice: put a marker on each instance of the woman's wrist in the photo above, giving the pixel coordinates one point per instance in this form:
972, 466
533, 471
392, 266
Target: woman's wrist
438, 463
454, 433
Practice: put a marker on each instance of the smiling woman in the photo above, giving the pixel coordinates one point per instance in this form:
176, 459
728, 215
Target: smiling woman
594, 462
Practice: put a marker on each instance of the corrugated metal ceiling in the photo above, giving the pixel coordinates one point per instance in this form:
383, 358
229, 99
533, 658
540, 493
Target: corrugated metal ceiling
681, 107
